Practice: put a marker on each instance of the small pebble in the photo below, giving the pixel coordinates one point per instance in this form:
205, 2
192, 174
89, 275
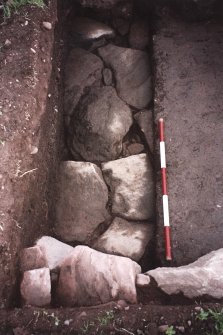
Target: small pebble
47, 25
8, 43
163, 328
198, 309
181, 329
189, 323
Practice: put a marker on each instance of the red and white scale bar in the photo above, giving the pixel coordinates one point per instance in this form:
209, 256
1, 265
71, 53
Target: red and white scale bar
164, 192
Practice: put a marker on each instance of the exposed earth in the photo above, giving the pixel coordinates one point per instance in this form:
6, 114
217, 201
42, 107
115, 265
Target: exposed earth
66, 72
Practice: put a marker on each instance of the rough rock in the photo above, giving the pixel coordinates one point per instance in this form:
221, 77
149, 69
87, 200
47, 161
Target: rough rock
107, 77
132, 73
145, 122
82, 70
139, 35
53, 250
87, 30
121, 25
47, 25
135, 148
203, 277
121, 234
36, 287
163, 328
89, 277
82, 200
99, 124
142, 280
32, 258
132, 185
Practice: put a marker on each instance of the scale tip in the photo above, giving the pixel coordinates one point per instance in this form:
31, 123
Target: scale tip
161, 119
169, 258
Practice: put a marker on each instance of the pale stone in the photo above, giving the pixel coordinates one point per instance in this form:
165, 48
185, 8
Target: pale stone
203, 277
132, 185
47, 25
82, 200
53, 250
89, 278
85, 29
36, 287
142, 280
121, 234
32, 258
132, 73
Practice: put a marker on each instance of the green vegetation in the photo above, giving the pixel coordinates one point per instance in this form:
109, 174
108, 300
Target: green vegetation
214, 318
170, 331
14, 5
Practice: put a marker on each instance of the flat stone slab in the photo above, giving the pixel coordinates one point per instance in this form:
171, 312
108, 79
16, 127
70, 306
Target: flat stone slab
188, 95
89, 277
99, 124
132, 73
203, 277
131, 181
121, 234
82, 199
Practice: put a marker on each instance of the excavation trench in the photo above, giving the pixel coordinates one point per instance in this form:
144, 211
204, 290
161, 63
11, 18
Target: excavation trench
95, 132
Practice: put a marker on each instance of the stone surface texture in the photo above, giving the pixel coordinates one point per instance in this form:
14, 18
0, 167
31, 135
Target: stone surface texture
132, 73
139, 34
36, 287
82, 70
82, 200
99, 124
203, 277
32, 258
142, 280
188, 93
89, 277
53, 250
85, 29
125, 238
144, 119
132, 186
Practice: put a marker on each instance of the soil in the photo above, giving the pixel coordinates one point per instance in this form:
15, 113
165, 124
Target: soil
30, 100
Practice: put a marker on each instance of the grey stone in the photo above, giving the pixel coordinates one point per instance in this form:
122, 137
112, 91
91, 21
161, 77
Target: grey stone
135, 148
121, 25
139, 35
47, 25
82, 70
81, 206
121, 234
85, 29
163, 328
88, 278
145, 122
99, 124
107, 77
203, 277
132, 73
36, 287
132, 185
32, 258
53, 250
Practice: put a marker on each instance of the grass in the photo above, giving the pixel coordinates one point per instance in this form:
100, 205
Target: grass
14, 5
170, 331
215, 318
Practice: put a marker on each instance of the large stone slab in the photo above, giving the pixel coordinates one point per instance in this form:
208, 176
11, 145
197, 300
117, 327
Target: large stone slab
84, 30
54, 251
188, 95
82, 69
82, 200
121, 234
132, 186
132, 73
203, 277
36, 287
89, 278
99, 124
